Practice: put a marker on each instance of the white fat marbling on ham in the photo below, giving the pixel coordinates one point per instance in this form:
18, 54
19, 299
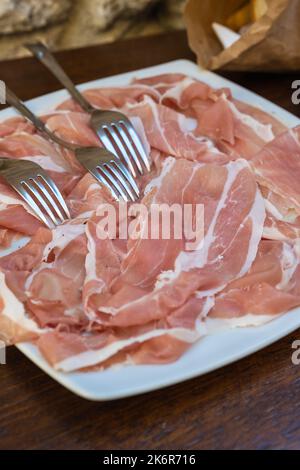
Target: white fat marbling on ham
15, 325
264, 131
94, 357
97, 303
46, 162
62, 235
215, 325
190, 260
289, 264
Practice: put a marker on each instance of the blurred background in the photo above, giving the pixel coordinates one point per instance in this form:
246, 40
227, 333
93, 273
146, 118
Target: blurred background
64, 24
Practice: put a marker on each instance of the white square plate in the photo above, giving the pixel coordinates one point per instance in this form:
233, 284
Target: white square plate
212, 351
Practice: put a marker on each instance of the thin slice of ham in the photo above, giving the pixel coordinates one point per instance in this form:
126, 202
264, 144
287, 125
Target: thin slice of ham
236, 132
277, 168
154, 342
54, 286
270, 288
15, 125
91, 303
15, 325
113, 97
194, 97
172, 133
282, 221
73, 127
234, 216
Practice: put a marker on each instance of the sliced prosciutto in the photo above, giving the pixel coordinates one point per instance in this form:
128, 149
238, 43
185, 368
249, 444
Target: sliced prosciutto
155, 342
15, 325
173, 133
115, 97
239, 129
271, 287
154, 285
89, 301
194, 97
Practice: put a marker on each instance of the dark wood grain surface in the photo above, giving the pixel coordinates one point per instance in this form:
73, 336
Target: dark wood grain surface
252, 404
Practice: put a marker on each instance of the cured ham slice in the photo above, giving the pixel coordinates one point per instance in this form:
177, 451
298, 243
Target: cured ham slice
102, 264
116, 97
15, 126
195, 97
174, 272
173, 133
87, 196
271, 287
73, 127
15, 325
54, 288
278, 229
90, 302
47, 274
237, 133
282, 221
277, 168
18, 264
154, 342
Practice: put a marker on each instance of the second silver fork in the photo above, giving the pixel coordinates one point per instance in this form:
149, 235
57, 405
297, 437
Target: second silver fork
112, 127
102, 164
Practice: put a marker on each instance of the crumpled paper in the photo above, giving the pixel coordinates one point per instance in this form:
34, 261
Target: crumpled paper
270, 44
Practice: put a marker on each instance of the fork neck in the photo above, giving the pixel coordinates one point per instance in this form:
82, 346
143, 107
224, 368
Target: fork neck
45, 56
16, 103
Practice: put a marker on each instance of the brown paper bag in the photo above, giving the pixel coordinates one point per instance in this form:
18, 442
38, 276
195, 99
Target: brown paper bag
270, 44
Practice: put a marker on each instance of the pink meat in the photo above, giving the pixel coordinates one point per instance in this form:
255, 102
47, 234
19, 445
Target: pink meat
92, 302
236, 133
154, 342
270, 287
58, 162
15, 326
238, 128
222, 190
14, 126
73, 127
173, 133
277, 168
115, 97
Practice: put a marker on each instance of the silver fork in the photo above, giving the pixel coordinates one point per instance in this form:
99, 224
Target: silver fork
102, 164
112, 127
36, 188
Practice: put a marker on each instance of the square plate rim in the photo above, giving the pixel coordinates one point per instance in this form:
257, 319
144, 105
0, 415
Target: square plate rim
265, 335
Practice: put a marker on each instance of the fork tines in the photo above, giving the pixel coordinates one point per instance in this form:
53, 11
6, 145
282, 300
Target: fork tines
45, 199
119, 137
109, 171
116, 177
37, 189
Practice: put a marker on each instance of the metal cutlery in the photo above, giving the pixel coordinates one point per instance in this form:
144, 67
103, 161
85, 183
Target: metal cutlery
113, 128
36, 188
102, 164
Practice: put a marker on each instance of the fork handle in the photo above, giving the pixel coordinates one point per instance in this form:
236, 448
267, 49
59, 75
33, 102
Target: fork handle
43, 54
16, 103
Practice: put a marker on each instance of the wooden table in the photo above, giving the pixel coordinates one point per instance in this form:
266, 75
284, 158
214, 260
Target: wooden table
254, 403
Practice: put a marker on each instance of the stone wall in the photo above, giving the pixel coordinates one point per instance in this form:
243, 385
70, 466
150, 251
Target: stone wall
75, 23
